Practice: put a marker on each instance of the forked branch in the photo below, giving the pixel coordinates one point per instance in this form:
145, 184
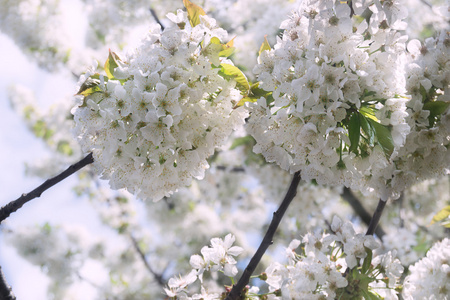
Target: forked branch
267, 240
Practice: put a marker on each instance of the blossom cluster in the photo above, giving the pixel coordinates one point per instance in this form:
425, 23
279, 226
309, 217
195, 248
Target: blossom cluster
34, 26
321, 266
162, 111
58, 251
336, 109
330, 266
429, 276
425, 154
217, 257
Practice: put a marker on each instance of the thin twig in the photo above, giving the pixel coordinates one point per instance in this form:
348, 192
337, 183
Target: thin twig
376, 217
158, 277
231, 169
427, 3
13, 206
88, 281
267, 240
401, 211
155, 16
6, 292
354, 202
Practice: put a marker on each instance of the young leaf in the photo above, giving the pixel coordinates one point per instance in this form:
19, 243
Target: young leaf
89, 86
111, 64
227, 49
194, 12
41, 130
368, 112
441, 215
212, 51
246, 99
232, 72
384, 137
367, 128
367, 261
265, 45
64, 148
354, 132
254, 94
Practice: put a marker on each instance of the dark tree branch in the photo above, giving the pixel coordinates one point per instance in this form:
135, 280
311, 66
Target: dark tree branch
155, 16
6, 292
354, 202
13, 206
158, 277
376, 217
267, 240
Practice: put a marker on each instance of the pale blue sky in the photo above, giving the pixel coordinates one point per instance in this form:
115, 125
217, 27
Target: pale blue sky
19, 146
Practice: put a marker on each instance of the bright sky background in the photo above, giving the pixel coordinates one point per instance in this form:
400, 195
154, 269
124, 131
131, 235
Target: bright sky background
19, 146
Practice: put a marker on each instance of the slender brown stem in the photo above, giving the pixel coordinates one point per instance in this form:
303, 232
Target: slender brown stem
13, 206
6, 292
376, 217
267, 240
355, 203
157, 276
155, 16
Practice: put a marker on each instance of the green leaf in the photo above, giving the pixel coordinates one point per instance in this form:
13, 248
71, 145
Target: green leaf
242, 141
258, 92
216, 49
41, 130
64, 148
246, 99
441, 215
227, 49
354, 132
89, 86
422, 245
367, 128
111, 64
194, 12
384, 137
436, 109
254, 94
423, 93
368, 112
367, 261
370, 295
264, 46
215, 40
232, 72
212, 51
46, 228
